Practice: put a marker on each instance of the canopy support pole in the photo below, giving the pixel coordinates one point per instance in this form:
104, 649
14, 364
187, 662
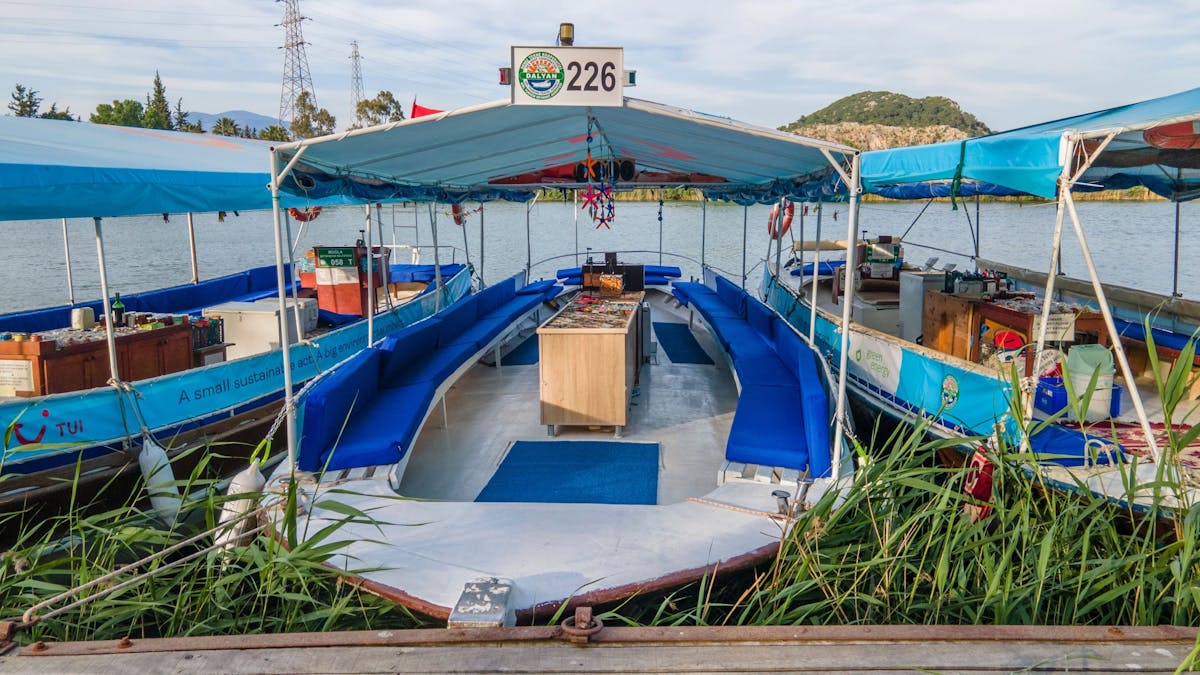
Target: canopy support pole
528, 243
67, 253
370, 281
1028, 388
660, 226
437, 266
192, 247
745, 229
575, 210
467, 241
779, 247
109, 334
812, 294
291, 251
703, 230
855, 187
1113, 335
1175, 269
288, 395
482, 284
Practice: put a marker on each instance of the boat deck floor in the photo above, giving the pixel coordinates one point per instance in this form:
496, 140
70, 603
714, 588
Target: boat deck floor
686, 408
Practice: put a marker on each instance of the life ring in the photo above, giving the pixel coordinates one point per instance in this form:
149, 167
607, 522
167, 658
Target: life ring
306, 214
460, 216
1179, 136
774, 227
977, 485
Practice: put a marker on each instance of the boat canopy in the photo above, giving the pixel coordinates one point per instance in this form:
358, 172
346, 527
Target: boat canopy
504, 151
62, 169
1154, 143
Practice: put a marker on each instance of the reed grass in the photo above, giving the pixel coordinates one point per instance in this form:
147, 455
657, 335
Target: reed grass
262, 587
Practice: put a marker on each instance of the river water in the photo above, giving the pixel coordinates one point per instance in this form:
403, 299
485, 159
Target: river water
1132, 242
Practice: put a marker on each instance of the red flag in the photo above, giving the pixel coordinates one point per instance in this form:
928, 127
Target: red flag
421, 111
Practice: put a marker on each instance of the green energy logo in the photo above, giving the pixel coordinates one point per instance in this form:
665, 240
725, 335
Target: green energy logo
541, 75
872, 361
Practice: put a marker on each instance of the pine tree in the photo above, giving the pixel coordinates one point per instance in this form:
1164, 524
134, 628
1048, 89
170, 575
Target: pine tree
25, 102
158, 110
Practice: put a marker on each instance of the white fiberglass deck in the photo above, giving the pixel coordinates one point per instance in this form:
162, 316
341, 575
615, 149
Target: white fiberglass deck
423, 552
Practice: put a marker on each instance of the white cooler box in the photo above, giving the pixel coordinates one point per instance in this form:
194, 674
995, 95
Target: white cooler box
308, 310
253, 327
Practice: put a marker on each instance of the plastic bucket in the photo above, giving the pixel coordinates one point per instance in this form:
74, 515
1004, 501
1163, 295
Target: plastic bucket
1082, 362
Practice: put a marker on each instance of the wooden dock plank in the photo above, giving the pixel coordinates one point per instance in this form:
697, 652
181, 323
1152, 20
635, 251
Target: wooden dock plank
622, 650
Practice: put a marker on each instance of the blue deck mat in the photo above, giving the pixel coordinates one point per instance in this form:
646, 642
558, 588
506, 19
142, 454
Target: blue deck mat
576, 472
679, 343
524, 354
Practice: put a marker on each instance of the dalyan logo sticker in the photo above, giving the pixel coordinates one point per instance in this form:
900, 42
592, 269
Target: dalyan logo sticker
949, 392
541, 75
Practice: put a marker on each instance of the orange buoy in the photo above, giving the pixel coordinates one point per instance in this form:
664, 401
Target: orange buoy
1178, 136
306, 214
775, 228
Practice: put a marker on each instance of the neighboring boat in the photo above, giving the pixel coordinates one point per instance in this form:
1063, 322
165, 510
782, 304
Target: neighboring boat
482, 492
942, 346
66, 428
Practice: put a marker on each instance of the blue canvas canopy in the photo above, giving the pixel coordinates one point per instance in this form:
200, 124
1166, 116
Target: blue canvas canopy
1030, 160
504, 151
62, 169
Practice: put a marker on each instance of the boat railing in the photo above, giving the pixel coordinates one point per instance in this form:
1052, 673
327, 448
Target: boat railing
576, 256
415, 251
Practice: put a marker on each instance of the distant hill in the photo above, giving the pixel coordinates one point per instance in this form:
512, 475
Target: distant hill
873, 120
242, 117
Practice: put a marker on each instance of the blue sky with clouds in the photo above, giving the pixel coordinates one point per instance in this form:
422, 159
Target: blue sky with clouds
1009, 63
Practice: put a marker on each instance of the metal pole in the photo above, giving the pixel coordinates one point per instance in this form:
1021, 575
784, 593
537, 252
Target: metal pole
370, 281
745, 229
1040, 340
1101, 300
703, 226
291, 251
67, 253
779, 247
528, 243
108, 316
812, 294
288, 395
437, 267
978, 228
192, 246
848, 300
660, 226
481, 282
1175, 269
575, 209
466, 241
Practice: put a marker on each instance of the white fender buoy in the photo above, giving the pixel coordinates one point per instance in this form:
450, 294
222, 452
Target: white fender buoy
160, 480
248, 481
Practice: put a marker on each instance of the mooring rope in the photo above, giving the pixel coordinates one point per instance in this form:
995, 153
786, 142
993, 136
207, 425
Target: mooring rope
30, 618
739, 509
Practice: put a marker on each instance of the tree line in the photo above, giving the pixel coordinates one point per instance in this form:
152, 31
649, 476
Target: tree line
158, 113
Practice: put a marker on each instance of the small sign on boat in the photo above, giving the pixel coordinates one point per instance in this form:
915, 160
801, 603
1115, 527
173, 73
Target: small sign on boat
1060, 327
592, 76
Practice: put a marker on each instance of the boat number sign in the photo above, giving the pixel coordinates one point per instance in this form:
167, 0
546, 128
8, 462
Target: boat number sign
335, 256
568, 76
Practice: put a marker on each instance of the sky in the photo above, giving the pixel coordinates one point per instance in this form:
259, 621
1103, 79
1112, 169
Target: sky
1008, 62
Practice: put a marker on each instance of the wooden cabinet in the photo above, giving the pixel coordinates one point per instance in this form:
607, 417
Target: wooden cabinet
948, 322
587, 368
37, 368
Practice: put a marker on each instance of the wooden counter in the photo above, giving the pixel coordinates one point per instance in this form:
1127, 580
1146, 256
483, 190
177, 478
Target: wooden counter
30, 368
952, 324
587, 361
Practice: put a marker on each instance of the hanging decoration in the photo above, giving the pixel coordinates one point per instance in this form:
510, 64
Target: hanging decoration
598, 198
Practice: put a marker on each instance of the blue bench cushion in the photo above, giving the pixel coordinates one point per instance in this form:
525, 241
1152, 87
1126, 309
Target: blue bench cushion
1056, 444
538, 287
382, 431
733, 296
495, 295
437, 366
406, 346
333, 400
761, 319
765, 429
456, 319
814, 408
